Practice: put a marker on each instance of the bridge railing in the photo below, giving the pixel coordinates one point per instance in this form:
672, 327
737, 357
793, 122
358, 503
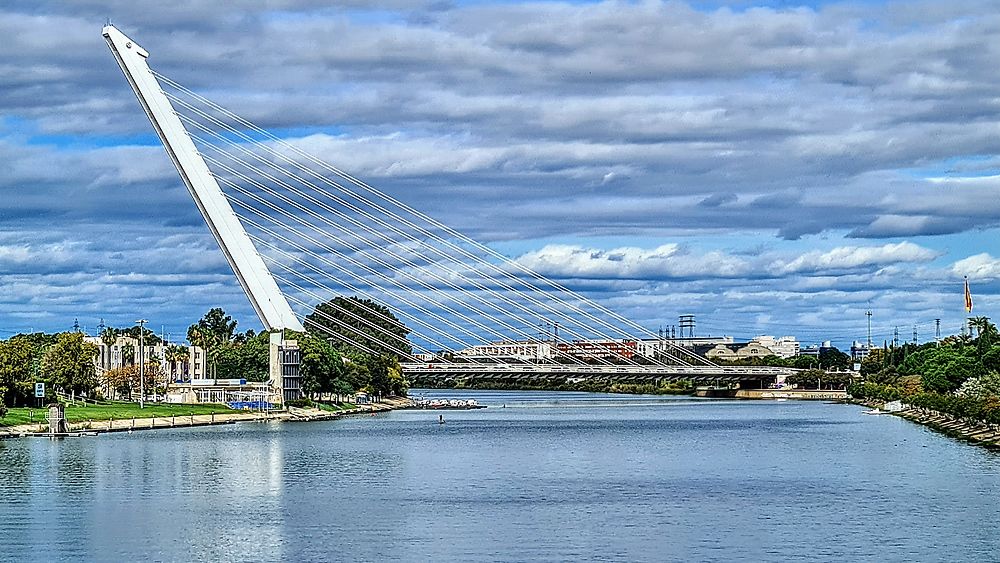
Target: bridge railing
604, 370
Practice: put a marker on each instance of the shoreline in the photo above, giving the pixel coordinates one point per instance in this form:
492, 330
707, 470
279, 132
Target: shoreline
290, 414
975, 433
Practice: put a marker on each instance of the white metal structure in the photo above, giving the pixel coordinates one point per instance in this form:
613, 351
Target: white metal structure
256, 279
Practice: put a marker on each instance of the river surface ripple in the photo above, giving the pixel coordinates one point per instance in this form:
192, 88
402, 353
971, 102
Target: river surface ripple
537, 476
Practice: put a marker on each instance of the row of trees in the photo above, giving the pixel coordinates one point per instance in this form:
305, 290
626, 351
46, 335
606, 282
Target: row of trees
335, 359
64, 362
960, 375
230, 354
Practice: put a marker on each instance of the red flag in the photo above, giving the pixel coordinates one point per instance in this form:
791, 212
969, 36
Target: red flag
968, 296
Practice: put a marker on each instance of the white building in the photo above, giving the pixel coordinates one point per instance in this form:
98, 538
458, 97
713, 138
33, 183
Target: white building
650, 346
783, 347
515, 350
126, 351
730, 352
859, 350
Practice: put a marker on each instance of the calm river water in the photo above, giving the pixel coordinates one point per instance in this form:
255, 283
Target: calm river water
548, 477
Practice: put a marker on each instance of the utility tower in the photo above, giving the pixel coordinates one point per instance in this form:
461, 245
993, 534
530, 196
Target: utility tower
686, 321
869, 315
937, 331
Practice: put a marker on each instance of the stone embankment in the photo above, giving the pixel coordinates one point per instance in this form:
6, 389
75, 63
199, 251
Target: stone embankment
797, 394
979, 433
292, 414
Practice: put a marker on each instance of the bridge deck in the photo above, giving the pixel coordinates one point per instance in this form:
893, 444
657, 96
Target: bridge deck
667, 372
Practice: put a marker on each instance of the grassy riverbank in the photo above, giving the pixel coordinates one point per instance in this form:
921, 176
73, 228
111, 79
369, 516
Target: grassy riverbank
111, 410
335, 407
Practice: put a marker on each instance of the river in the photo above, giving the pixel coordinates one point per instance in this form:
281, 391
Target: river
537, 476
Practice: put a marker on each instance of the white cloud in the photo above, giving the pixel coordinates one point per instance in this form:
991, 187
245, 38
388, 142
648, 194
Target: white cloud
978, 267
520, 122
666, 261
851, 257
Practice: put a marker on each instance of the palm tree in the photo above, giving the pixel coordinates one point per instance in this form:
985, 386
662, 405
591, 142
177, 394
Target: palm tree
175, 353
109, 336
986, 332
128, 351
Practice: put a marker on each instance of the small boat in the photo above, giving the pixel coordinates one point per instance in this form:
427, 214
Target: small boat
875, 411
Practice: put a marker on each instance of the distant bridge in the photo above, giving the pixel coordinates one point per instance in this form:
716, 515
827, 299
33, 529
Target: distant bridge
426, 372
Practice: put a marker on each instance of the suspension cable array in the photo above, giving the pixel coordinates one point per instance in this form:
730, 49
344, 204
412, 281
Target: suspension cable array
323, 233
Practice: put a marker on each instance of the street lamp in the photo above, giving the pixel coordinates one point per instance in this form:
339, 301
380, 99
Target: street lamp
142, 356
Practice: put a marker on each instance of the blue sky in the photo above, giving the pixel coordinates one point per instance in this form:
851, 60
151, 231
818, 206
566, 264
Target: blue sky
772, 167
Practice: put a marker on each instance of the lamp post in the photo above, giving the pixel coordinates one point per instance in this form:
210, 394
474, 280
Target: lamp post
142, 358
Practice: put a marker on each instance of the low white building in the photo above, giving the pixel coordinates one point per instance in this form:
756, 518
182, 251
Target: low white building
650, 346
783, 347
126, 351
516, 350
731, 352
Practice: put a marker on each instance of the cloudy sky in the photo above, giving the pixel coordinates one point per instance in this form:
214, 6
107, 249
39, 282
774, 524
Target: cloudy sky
772, 167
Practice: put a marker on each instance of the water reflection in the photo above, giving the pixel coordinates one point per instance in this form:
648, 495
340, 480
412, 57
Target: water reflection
546, 478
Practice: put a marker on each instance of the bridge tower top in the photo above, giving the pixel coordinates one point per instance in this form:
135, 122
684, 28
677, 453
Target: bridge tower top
250, 269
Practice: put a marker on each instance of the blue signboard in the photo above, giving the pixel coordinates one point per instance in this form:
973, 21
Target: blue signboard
40, 390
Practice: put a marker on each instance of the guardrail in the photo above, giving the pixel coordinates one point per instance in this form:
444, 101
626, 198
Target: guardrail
702, 371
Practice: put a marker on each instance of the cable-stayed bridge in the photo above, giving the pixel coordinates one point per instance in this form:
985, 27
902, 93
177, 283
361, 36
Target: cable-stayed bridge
298, 231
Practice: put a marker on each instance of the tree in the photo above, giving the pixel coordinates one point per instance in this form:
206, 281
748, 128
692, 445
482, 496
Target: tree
983, 387
986, 332
874, 362
949, 374
356, 374
118, 381
213, 330
225, 360
124, 380
217, 326
128, 355
149, 338
109, 336
386, 376
255, 356
888, 376
248, 360
15, 371
810, 378
174, 354
832, 358
342, 388
319, 365
372, 326
804, 362
982, 325
69, 364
